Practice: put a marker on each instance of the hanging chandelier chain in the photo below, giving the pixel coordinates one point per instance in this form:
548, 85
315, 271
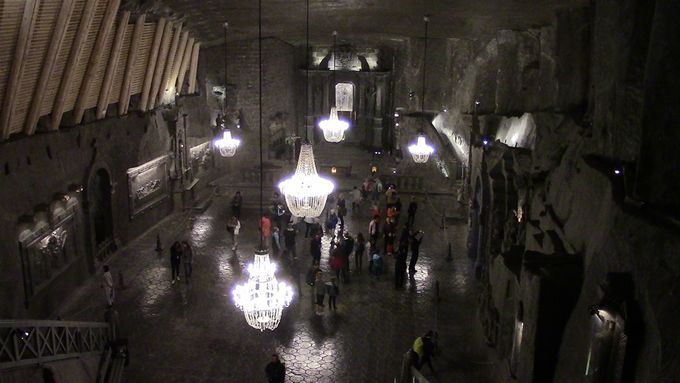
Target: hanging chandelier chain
226, 104
335, 58
422, 99
307, 59
259, 48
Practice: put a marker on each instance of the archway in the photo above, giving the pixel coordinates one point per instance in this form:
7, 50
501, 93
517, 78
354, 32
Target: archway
101, 214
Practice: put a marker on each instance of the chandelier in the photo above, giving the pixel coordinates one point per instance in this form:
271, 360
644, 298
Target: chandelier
305, 191
227, 144
420, 151
262, 299
333, 128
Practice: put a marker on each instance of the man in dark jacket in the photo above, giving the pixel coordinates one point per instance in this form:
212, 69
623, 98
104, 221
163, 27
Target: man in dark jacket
289, 240
412, 208
276, 371
315, 248
416, 239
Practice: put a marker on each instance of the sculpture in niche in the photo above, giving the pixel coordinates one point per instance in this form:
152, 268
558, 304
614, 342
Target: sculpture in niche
148, 188
148, 184
344, 97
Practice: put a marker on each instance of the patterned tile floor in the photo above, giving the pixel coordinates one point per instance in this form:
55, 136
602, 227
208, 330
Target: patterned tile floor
191, 332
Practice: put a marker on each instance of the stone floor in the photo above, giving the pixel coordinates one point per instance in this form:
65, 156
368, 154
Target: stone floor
193, 333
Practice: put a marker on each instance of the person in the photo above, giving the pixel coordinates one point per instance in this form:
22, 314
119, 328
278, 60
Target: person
337, 262
289, 241
355, 195
397, 208
276, 242
331, 221
266, 231
376, 264
377, 190
400, 267
390, 196
333, 291
275, 370
234, 227
389, 234
315, 248
188, 258
359, 250
236, 203
175, 260
319, 291
342, 209
347, 245
412, 208
109, 290
309, 223
281, 216
416, 239
405, 237
424, 346
374, 230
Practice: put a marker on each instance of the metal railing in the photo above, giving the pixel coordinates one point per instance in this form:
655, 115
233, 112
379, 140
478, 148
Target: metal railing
31, 342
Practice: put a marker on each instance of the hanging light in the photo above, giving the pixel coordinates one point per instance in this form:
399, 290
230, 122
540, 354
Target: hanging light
421, 150
334, 128
227, 144
305, 191
262, 298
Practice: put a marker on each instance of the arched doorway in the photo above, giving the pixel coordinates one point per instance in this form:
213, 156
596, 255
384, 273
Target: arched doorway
101, 214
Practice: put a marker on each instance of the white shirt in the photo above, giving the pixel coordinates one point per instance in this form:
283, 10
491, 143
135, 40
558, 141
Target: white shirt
237, 227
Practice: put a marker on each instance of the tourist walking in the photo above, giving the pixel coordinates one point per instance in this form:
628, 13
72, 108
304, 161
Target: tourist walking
234, 228
390, 196
276, 241
342, 211
412, 209
424, 346
331, 221
355, 196
188, 260
315, 248
347, 245
359, 250
289, 241
333, 290
107, 284
416, 239
377, 189
236, 203
275, 370
319, 291
266, 231
389, 235
175, 260
374, 230
337, 262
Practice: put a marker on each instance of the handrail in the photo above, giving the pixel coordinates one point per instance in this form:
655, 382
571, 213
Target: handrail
27, 342
417, 376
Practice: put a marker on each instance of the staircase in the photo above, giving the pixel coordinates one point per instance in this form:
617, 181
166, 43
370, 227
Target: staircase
71, 352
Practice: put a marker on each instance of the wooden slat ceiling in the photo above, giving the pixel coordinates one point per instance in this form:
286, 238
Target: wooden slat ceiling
11, 13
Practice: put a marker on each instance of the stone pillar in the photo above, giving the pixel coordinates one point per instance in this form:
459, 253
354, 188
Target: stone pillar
377, 132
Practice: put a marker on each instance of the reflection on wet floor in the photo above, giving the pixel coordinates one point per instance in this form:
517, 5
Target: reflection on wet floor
191, 332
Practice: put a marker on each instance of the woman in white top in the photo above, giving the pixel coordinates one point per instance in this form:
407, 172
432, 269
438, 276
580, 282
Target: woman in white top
108, 286
234, 227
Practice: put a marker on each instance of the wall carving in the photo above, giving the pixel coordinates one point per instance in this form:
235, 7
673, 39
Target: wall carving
148, 185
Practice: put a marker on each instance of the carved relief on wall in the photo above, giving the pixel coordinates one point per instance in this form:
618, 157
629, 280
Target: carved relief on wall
148, 184
344, 97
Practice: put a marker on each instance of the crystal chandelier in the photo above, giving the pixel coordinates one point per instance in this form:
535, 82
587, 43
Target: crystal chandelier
227, 144
262, 299
420, 151
333, 128
305, 191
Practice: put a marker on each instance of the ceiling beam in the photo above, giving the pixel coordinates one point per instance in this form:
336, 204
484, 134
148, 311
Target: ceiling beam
20, 53
56, 43
124, 101
168, 65
158, 72
177, 63
185, 63
107, 84
95, 59
194, 68
71, 63
151, 65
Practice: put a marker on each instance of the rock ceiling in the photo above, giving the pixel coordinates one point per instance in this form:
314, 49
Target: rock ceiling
353, 19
